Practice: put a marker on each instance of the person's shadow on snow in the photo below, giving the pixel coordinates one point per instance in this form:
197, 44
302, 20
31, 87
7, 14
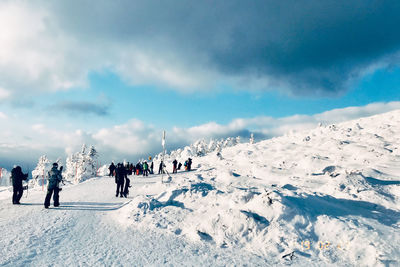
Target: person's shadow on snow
91, 206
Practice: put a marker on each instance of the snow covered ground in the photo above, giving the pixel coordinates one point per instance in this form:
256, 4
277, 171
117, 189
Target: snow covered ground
325, 197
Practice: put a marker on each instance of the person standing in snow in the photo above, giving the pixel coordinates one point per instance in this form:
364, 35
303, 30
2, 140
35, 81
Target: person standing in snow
188, 164
174, 166
112, 169
145, 169
120, 175
54, 179
160, 168
127, 185
17, 176
152, 168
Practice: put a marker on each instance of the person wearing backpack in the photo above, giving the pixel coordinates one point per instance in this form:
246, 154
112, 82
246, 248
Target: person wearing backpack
54, 179
17, 176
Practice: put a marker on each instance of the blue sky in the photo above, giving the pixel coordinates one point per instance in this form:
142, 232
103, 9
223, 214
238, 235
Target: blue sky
115, 74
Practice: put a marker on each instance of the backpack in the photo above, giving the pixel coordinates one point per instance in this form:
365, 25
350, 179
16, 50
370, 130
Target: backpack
54, 177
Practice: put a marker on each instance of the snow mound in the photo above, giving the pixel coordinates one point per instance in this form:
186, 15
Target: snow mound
327, 195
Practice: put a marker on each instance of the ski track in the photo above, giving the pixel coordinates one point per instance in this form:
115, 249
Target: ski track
83, 232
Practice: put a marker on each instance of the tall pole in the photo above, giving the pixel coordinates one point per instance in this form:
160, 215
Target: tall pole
162, 159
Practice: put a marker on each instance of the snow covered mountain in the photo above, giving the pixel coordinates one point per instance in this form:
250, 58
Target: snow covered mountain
325, 197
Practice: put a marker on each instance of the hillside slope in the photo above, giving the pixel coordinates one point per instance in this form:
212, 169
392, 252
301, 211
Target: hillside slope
331, 194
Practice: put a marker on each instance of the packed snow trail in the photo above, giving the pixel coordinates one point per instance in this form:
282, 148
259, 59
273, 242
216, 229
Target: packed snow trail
83, 231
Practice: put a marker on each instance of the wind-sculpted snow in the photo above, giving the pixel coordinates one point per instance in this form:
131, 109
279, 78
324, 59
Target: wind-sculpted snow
326, 196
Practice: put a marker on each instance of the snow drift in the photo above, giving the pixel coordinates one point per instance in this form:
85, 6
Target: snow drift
331, 194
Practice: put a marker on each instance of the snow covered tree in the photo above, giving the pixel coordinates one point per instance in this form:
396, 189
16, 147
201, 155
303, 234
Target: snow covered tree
39, 174
251, 138
5, 177
81, 165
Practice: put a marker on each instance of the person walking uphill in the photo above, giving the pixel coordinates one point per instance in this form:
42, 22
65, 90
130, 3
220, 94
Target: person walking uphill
17, 176
54, 177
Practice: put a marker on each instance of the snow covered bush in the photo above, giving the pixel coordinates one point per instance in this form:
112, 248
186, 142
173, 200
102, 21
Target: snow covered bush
81, 165
200, 148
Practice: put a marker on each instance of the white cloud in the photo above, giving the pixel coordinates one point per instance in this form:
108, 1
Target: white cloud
137, 139
36, 53
3, 116
4, 93
270, 127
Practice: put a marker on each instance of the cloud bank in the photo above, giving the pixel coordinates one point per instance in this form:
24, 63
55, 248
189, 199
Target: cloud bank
135, 139
300, 47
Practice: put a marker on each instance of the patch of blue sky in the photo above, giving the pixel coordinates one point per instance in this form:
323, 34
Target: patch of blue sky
165, 108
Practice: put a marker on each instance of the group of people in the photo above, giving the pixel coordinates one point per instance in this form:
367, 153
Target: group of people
120, 172
53, 187
141, 168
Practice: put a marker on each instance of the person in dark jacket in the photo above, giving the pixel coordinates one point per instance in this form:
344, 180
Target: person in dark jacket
174, 166
17, 176
54, 179
120, 175
179, 166
189, 164
138, 168
112, 169
161, 168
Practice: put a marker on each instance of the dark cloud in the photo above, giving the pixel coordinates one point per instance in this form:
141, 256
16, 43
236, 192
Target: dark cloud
308, 46
81, 108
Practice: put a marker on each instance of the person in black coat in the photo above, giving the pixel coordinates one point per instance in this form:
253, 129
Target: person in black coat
161, 168
54, 178
174, 166
152, 168
189, 164
120, 175
17, 176
112, 169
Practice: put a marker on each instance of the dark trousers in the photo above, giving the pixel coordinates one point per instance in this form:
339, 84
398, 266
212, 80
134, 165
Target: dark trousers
17, 194
127, 185
120, 187
56, 197
145, 172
